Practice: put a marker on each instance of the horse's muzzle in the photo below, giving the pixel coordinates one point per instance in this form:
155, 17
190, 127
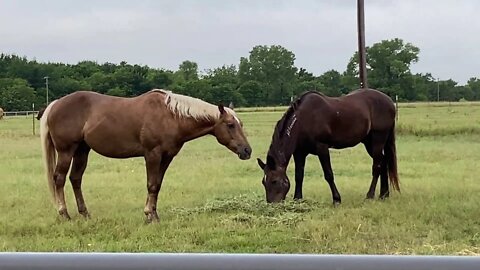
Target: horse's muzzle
277, 198
245, 153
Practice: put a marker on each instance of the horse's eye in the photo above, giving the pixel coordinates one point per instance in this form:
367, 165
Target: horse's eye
231, 126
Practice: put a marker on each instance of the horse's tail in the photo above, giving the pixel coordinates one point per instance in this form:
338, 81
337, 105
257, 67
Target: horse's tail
391, 156
48, 151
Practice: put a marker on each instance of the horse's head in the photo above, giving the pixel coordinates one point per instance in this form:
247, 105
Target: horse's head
229, 132
275, 180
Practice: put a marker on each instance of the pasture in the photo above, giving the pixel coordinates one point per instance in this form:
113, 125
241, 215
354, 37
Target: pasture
211, 201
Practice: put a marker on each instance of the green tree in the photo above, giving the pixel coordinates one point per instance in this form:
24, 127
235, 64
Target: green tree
331, 83
64, 86
118, 92
223, 75
273, 67
16, 94
425, 87
160, 79
101, 82
474, 85
252, 94
85, 69
388, 67
305, 81
447, 90
304, 86
188, 71
197, 88
224, 86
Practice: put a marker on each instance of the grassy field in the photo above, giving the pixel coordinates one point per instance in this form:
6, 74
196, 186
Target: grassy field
213, 202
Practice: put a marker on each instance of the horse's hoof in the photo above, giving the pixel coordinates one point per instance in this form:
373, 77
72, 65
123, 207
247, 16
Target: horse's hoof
370, 197
336, 204
152, 218
64, 214
384, 197
85, 214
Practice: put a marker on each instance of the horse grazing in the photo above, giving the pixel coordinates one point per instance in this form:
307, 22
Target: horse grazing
315, 122
154, 125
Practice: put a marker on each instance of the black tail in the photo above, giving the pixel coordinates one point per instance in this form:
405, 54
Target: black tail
391, 156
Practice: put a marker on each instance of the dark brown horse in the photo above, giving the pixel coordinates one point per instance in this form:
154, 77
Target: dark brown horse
154, 125
40, 113
314, 123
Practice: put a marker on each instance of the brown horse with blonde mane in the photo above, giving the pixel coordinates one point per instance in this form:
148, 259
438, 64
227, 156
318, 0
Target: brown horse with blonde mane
315, 122
154, 125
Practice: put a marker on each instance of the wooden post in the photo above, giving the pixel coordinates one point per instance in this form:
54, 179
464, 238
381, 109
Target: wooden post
362, 62
396, 106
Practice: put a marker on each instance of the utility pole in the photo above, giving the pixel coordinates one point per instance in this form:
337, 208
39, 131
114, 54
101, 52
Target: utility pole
46, 85
362, 62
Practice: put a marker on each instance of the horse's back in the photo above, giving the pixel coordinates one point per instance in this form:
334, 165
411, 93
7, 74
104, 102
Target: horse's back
345, 121
381, 108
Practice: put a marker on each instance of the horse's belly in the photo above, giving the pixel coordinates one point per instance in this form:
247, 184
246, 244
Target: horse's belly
113, 143
347, 140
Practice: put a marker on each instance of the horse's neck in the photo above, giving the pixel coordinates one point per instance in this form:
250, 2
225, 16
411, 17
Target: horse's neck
195, 128
284, 140
282, 150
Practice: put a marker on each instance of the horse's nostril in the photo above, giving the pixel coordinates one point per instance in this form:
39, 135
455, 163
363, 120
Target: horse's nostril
248, 150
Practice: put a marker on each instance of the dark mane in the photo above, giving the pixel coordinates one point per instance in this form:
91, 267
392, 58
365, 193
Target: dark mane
281, 124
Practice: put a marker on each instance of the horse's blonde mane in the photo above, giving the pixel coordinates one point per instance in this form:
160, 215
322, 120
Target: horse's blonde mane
186, 106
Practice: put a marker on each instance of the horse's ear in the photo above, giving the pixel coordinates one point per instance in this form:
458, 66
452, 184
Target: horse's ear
221, 108
271, 162
261, 164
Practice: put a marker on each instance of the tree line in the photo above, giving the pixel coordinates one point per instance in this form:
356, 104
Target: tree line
267, 77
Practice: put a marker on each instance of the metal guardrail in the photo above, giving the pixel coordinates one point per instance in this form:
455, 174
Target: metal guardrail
200, 261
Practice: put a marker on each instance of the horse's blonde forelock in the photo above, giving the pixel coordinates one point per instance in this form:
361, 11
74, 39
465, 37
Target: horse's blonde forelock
186, 106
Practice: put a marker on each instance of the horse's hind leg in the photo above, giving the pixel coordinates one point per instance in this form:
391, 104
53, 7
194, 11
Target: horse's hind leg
374, 147
61, 170
384, 190
78, 168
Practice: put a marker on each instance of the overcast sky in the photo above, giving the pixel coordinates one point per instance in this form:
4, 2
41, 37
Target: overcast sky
162, 34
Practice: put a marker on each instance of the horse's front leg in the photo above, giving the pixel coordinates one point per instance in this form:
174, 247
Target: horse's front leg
157, 168
152, 163
324, 157
299, 174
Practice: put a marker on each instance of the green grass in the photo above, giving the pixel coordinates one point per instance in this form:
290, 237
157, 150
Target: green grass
213, 202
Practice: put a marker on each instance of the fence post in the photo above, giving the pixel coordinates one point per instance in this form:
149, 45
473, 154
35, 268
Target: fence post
33, 118
396, 106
